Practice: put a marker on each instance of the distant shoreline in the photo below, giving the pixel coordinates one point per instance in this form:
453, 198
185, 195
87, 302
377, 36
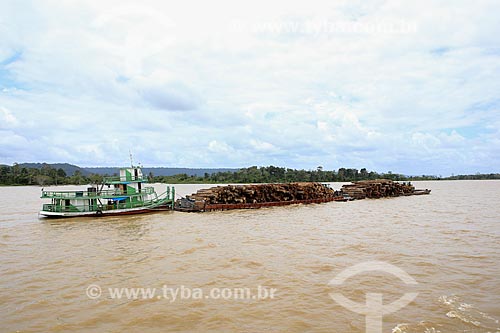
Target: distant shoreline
53, 185
44, 174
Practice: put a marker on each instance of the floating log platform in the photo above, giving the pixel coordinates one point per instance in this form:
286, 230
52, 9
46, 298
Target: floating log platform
380, 188
256, 196
267, 195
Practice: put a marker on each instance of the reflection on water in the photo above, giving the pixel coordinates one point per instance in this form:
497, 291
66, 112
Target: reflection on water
448, 241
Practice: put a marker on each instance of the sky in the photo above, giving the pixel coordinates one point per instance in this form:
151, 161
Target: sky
411, 87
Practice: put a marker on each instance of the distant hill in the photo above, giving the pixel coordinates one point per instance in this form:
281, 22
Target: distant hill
68, 168
158, 171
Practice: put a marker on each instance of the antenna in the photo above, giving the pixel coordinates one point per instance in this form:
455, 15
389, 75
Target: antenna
131, 160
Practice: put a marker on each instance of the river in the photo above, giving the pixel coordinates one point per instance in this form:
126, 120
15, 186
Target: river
60, 275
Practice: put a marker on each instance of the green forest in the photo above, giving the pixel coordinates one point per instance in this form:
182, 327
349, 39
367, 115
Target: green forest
272, 174
47, 175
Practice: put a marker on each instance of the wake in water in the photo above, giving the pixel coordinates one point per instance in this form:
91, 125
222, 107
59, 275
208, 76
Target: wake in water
468, 314
463, 317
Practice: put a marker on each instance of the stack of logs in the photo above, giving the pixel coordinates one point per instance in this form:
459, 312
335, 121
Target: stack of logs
377, 189
257, 193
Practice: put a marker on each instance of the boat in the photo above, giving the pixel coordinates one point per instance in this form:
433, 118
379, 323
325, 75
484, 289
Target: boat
119, 195
421, 192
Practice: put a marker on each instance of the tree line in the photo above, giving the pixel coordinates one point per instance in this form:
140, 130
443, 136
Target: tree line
273, 174
46, 175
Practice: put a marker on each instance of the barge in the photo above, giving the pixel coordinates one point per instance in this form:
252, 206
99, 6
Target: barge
268, 195
189, 205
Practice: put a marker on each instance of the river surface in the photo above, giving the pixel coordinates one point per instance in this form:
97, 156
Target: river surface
51, 271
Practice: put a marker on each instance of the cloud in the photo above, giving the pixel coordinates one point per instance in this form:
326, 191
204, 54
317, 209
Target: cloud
173, 96
219, 147
236, 85
263, 146
7, 119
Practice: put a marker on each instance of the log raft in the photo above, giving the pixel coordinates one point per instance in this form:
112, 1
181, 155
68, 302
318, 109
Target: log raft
379, 188
268, 195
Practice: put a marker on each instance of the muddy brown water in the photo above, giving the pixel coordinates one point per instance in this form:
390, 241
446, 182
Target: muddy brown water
449, 242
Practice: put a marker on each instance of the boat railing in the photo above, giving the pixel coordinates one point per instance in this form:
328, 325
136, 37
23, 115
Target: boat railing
58, 208
119, 179
92, 194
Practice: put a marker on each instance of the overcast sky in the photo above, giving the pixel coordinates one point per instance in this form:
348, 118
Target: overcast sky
407, 86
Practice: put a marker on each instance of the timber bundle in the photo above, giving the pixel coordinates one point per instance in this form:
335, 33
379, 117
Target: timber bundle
265, 195
379, 188
255, 196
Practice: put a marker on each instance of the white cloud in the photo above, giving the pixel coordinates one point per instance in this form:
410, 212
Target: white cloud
219, 147
7, 119
297, 98
173, 96
263, 146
